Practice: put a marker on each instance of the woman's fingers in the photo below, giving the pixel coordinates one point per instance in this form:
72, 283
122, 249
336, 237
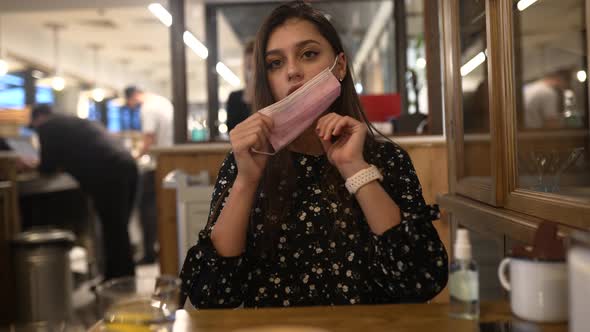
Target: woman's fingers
341, 124
335, 125
321, 123
267, 121
255, 121
326, 145
326, 125
261, 141
349, 125
258, 125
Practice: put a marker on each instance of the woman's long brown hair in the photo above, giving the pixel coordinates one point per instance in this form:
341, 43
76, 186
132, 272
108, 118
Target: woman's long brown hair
278, 180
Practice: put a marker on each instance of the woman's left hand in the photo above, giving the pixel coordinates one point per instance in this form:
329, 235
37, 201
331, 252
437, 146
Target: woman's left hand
343, 139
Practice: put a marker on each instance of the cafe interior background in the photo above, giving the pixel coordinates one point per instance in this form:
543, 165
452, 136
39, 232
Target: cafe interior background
447, 80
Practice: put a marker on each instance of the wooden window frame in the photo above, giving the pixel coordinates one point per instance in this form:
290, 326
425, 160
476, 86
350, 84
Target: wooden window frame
503, 192
477, 189
574, 212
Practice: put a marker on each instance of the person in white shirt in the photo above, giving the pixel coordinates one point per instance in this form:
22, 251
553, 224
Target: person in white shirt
543, 102
156, 117
156, 113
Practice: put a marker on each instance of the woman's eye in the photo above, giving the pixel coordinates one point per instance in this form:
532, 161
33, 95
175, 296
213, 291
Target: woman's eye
273, 64
310, 54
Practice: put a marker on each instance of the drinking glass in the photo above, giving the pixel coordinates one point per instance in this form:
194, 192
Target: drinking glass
139, 303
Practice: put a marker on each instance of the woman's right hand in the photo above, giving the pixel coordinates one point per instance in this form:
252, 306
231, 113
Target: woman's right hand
251, 133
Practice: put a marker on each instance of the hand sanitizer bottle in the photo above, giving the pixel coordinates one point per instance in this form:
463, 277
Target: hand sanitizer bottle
463, 280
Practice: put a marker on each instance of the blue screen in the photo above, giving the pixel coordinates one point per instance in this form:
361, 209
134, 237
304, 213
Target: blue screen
93, 112
123, 118
44, 95
12, 91
113, 117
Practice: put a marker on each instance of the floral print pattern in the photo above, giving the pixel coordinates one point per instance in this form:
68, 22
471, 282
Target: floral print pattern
408, 263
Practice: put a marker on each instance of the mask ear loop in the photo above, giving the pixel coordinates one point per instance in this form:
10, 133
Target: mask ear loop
335, 62
262, 152
332, 68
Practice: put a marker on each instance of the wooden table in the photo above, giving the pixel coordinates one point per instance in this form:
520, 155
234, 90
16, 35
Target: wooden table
391, 318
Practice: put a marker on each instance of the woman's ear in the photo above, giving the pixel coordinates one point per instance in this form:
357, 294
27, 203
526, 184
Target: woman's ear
341, 66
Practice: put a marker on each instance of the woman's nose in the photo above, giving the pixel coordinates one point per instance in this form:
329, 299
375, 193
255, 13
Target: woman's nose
294, 71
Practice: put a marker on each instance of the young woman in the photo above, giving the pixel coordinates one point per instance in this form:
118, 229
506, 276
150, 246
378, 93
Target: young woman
316, 223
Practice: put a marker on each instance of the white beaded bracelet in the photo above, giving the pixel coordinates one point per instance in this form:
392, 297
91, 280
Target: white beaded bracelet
361, 178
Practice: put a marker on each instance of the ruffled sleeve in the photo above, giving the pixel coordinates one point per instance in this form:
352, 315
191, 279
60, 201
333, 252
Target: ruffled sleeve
409, 262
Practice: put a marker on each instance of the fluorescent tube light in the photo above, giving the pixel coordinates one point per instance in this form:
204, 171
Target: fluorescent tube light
227, 74
161, 13
194, 44
524, 4
473, 63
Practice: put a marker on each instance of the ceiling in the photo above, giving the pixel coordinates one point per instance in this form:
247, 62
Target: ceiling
133, 44
351, 19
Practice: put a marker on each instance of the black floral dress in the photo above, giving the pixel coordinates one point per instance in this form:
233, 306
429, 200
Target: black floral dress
408, 263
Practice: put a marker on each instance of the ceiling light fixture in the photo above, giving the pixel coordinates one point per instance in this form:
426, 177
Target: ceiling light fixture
524, 4
194, 44
227, 74
473, 63
3, 63
161, 13
58, 83
98, 93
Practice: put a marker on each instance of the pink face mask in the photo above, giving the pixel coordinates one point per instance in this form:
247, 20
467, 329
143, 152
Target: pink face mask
293, 114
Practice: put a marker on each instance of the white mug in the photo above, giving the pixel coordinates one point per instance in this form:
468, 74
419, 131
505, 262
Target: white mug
538, 289
578, 260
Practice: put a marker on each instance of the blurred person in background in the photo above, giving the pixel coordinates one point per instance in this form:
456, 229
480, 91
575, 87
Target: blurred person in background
156, 114
105, 170
543, 101
239, 103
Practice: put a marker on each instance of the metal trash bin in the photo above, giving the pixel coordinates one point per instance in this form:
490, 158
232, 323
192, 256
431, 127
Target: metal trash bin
43, 276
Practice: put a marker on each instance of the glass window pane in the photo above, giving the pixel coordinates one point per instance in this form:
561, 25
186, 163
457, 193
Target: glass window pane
474, 86
552, 103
